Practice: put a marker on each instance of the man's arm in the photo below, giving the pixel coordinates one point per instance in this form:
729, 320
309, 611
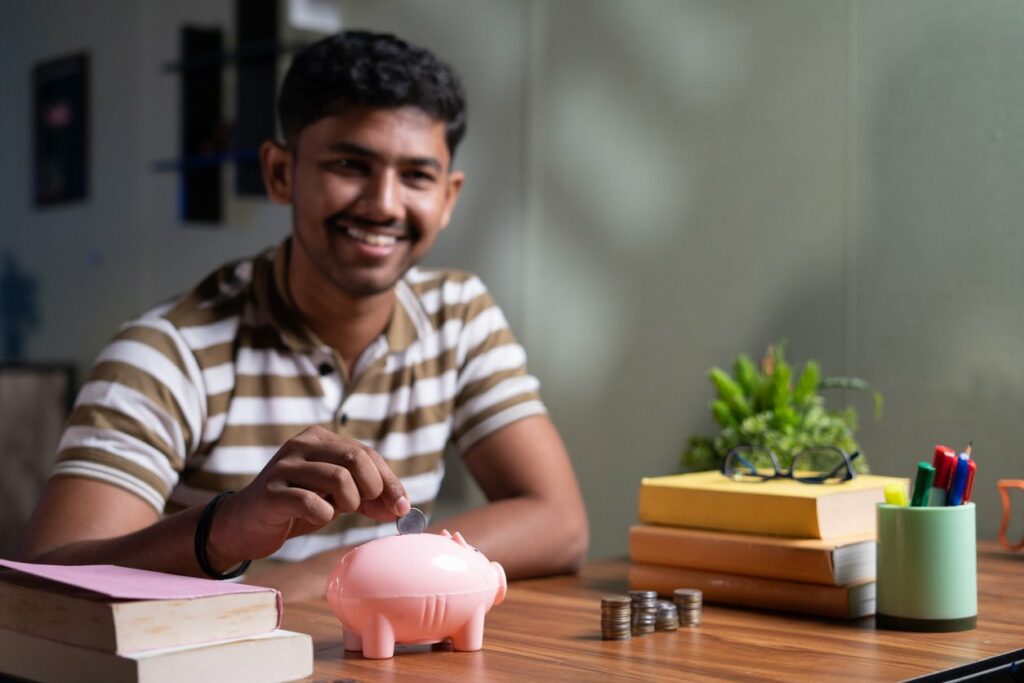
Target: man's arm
312, 479
534, 524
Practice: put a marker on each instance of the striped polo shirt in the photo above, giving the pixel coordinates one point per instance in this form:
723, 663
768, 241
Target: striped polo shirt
198, 394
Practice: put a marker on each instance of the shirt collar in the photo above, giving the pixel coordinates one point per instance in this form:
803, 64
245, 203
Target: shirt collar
408, 322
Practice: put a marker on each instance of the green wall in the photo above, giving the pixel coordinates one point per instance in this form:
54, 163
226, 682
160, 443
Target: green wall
654, 186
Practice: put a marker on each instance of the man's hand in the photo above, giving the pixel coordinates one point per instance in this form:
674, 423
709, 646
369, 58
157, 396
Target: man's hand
312, 479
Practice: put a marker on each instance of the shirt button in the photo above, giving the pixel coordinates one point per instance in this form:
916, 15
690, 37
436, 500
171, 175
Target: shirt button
325, 369
344, 419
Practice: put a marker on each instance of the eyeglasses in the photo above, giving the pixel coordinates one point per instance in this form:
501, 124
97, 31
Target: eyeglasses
814, 465
1005, 486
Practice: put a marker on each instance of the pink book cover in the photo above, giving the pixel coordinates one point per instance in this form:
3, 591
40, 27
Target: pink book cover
124, 583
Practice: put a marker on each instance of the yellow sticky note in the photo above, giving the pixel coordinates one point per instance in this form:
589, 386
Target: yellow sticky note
895, 494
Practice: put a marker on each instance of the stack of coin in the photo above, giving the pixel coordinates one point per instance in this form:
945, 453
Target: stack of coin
644, 611
668, 616
688, 600
615, 617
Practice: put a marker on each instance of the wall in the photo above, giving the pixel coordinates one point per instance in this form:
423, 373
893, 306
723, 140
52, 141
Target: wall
653, 187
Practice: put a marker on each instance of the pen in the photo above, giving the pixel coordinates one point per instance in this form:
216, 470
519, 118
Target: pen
959, 483
969, 485
944, 463
922, 485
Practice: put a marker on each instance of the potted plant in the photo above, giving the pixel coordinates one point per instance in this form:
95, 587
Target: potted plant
763, 406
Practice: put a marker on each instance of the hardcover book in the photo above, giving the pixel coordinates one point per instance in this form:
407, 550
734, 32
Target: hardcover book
268, 658
832, 562
780, 507
121, 610
843, 602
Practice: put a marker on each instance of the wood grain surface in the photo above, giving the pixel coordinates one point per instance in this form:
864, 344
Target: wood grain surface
549, 629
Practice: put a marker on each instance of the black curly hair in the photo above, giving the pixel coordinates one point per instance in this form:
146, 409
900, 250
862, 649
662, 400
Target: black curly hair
360, 68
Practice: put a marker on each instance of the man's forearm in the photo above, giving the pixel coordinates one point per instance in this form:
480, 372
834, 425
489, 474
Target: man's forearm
525, 535
166, 546
297, 581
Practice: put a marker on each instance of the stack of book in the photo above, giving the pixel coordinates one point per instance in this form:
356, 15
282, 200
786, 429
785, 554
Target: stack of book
778, 544
107, 623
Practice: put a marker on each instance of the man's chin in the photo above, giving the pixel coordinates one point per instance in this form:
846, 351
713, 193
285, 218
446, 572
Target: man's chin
365, 287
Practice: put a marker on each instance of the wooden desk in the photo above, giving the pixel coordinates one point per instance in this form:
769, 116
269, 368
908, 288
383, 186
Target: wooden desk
549, 629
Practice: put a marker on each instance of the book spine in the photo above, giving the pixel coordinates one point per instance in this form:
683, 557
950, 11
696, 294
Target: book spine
729, 511
659, 545
746, 591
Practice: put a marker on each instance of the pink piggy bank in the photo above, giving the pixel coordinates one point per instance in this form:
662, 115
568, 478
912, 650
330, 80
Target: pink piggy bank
414, 589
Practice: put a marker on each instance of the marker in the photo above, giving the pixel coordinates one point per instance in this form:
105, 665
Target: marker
959, 483
944, 463
969, 486
922, 485
895, 493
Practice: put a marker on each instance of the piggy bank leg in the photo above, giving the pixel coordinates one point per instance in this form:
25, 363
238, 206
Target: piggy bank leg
352, 641
378, 638
471, 636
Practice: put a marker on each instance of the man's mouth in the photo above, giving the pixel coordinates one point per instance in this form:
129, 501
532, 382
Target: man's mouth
373, 235
374, 239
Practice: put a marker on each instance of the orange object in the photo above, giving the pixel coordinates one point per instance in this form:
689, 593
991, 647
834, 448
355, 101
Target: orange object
1004, 493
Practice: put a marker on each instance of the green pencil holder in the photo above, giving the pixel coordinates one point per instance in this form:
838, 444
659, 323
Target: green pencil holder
927, 569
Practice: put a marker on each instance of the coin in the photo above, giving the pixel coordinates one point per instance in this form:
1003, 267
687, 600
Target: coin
412, 522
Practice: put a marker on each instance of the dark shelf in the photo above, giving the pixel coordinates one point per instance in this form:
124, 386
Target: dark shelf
236, 156
241, 54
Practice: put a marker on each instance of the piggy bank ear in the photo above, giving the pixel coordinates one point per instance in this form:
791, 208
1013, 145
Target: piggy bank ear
444, 532
461, 541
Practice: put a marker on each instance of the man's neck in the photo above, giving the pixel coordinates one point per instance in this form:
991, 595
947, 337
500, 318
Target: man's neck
345, 323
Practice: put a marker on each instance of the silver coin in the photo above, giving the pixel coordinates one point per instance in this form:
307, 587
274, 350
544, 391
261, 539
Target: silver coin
413, 522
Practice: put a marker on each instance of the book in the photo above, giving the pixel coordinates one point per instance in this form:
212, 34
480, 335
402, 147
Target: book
844, 602
276, 656
780, 507
122, 610
834, 562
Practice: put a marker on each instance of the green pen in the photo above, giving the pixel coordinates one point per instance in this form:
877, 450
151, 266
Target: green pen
922, 485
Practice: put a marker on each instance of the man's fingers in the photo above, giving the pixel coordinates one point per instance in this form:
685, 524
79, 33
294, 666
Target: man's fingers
393, 495
325, 479
300, 503
371, 474
354, 458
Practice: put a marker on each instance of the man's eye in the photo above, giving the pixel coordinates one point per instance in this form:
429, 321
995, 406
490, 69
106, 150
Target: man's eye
420, 177
348, 165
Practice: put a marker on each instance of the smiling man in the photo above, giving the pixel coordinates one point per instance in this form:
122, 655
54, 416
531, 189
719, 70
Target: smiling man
321, 380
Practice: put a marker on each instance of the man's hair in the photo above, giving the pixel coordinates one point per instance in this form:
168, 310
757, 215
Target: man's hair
360, 68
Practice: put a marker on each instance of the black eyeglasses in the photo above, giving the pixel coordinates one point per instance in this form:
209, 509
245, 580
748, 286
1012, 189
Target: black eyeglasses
814, 465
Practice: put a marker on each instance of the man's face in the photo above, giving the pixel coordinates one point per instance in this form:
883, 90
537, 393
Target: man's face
371, 189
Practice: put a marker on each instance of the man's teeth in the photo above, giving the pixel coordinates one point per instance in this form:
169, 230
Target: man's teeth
371, 238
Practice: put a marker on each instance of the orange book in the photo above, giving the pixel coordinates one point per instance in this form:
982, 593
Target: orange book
832, 562
843, 602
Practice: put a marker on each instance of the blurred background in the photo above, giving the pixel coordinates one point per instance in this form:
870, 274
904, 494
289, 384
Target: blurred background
653, 187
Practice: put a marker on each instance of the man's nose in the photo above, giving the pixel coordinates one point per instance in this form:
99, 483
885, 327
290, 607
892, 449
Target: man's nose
381, 198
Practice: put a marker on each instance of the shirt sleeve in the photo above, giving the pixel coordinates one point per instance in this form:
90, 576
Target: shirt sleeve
138, 415
494, 388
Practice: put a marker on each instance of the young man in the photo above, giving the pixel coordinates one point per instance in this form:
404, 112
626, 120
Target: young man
320, 380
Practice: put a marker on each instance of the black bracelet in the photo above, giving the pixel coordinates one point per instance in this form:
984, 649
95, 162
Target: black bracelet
203, 532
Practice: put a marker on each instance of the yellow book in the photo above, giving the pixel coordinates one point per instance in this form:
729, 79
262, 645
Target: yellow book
779, 507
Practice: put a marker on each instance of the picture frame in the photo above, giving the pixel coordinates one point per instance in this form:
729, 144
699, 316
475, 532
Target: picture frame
60, 123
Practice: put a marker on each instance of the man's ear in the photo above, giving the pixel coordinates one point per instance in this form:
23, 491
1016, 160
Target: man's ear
276, 164
456, 179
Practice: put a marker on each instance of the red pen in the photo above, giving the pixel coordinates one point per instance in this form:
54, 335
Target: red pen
945, 464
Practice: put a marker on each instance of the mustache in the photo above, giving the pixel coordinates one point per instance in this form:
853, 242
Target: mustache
337, 220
